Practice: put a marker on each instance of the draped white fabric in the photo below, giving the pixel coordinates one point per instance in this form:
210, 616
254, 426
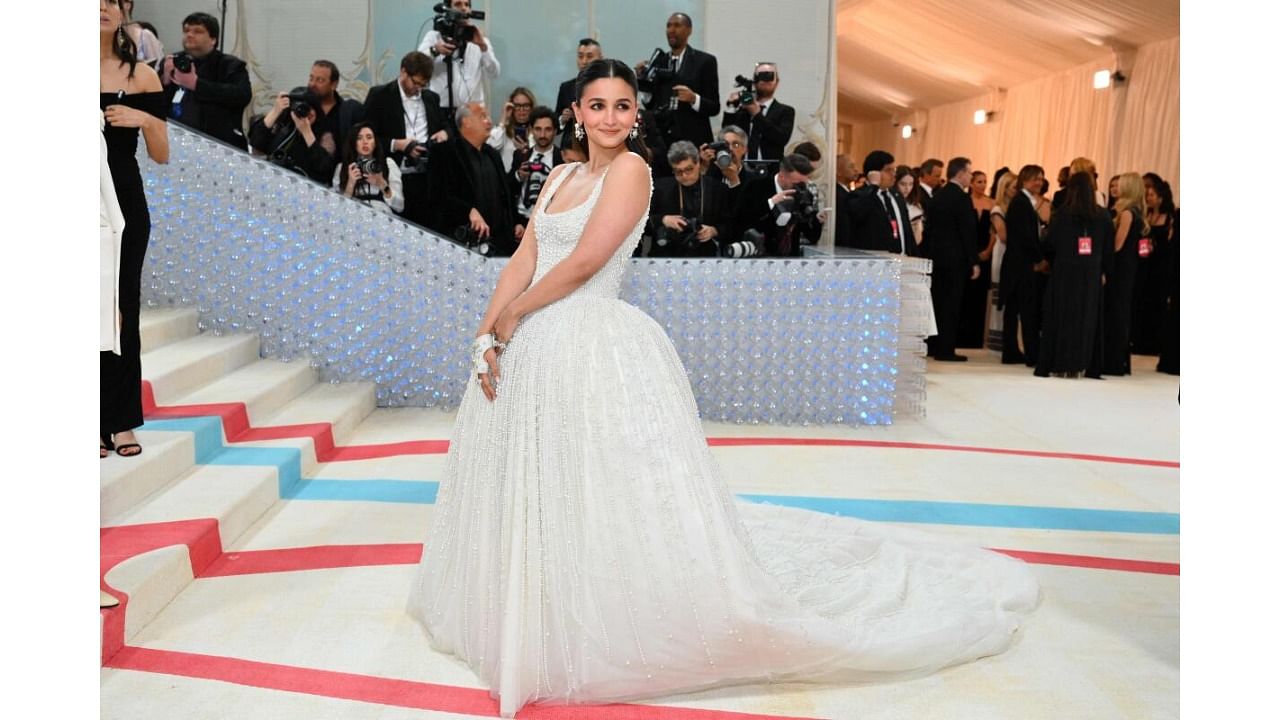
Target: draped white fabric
1132, 126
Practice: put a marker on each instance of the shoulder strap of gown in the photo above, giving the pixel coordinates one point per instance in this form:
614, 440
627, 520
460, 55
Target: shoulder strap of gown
555, 186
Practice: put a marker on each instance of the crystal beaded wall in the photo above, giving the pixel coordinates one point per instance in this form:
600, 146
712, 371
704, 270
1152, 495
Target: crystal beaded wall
365, 297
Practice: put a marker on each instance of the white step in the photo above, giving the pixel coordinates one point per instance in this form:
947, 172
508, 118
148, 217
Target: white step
164, 326
152, 580
180, 368
342, 405
126, 482
264, 387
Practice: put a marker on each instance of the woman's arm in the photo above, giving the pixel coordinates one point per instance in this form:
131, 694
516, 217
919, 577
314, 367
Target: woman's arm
396, 201
623, 201
1000, 231
1122, 229
155, 131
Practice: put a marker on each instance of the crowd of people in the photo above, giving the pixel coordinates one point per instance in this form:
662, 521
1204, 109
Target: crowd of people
1083, 279
425, 147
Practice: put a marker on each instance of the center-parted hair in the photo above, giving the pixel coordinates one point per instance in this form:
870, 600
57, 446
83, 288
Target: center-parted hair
610, 68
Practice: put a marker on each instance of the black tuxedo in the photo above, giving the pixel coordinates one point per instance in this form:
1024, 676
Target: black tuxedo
951, 242
871, 222
1020, 288
844, 220
708, 201
457, 189
754, 214
769, 132
384, 112
698, 71
564, 98
216, 106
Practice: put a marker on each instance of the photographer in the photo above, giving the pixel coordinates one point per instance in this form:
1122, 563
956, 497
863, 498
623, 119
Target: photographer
407, 121
287, 136
365, 175
769, 123
512, 134
531, 166
690, 212
462, 55
723, 160
588, 52
681, 87
472, 201
336, 116
207, 89
775, 212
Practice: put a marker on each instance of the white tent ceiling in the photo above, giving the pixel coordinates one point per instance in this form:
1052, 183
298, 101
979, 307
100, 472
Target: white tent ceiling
896, 56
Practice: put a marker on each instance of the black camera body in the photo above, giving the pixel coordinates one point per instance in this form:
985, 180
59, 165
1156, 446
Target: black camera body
448, 22
300, 102
468, 237
678, 242
370, 166
804, 203
419, 162
183, 62
655, 74
748, 93
724, 156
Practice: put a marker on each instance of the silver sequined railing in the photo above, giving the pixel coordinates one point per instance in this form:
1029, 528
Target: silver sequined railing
365, 297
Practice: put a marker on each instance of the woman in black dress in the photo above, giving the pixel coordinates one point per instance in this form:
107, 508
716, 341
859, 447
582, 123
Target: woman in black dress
1081, 249
973, 308
131, 100
1150, 288
1131, 226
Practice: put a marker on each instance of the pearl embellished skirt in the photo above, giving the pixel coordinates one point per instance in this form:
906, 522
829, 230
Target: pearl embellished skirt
584, 547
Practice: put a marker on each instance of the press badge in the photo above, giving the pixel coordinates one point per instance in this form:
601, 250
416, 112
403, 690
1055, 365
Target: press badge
1144, 247
1084, 246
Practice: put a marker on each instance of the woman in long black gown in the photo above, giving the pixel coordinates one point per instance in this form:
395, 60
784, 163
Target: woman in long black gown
131, 100
1149, 298
1081, 249
1131, 225
973, 308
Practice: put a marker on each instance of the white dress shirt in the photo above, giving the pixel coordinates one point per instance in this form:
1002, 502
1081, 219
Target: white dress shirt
468, 83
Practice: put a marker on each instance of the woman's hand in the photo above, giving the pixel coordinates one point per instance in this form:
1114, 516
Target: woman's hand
505, 327
125, 116
489, 380
353, 175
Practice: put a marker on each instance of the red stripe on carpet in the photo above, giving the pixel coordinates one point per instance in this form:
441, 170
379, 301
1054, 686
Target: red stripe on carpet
388, 691
235, 421
1097, 563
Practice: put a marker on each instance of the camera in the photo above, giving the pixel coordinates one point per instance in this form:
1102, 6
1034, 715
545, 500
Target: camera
748, 93
537, 168
419, 162
724, 156
804, 203
448, 22
182, 62
470, 238
678, 242
749, 246
654, 74
370, 166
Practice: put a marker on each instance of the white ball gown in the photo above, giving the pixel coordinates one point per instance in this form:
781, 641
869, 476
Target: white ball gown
585, 549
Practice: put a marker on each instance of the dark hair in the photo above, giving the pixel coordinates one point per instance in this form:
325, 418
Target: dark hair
349, 153
808, 150
588, 41
147, 26
914, 196
995, 181
684, 16
1164, 192
542, 111
795, 162
926, 168
417, 63
610, 68
123, 46
876, 160
1027, 174
956, 166
1080, 203
334, 75
205, 20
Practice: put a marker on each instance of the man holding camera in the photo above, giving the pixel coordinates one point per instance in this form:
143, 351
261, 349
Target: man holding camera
472, 201
683, 86
531, 166
878, 216
408, 122
775, 212
690, 211
463, 56
768, 122
287, 136
208, 89
335, 116
588, 52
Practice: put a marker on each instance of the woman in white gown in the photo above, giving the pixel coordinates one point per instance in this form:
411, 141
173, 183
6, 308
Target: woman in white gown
584, 547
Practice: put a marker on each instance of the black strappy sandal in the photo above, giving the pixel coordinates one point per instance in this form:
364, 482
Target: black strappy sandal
129, 446
105, 447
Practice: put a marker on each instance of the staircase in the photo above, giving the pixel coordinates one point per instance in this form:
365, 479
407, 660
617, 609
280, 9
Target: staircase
168, 513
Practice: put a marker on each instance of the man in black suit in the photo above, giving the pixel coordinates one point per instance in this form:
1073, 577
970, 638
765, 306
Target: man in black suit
686, 100
471, 199
531, 166
406, 119
588, 51
767, 121
212, 94
879, 216
681, 200
1020, 288
951, 242
766, 206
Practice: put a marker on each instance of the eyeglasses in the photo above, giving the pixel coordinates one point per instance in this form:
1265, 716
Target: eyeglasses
522, 106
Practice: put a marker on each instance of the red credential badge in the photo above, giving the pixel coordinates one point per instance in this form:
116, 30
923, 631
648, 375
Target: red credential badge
1085, 246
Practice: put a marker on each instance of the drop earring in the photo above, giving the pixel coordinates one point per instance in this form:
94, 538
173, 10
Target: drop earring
635, 130
578, 132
